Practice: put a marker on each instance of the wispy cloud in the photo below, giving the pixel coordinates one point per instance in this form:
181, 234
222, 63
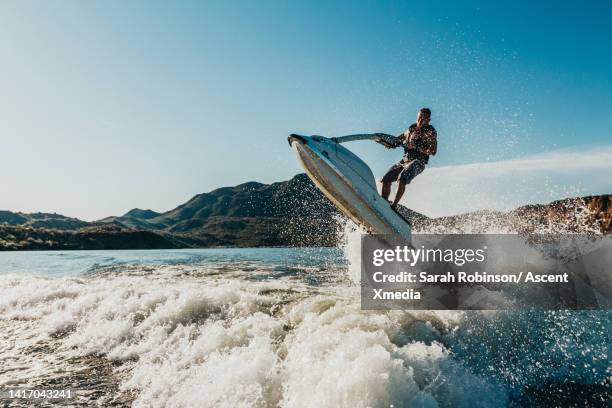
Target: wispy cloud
504, 185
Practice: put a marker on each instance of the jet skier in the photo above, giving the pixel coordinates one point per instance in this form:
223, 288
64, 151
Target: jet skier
419, 142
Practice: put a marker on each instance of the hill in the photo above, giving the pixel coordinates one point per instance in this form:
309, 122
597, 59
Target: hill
41, 220
288, 213
17, 237
590, 214
292, 212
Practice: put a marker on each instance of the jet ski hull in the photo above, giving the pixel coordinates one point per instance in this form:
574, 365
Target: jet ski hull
349, 183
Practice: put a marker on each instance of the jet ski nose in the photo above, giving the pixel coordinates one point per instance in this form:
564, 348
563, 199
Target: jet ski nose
296, 138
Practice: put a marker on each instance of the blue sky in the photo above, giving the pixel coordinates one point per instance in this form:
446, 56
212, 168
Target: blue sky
112, 105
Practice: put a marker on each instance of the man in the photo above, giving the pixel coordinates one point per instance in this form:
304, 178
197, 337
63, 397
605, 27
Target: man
419, 142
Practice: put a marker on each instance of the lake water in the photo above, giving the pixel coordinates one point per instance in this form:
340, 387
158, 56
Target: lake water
72, 263
274, 327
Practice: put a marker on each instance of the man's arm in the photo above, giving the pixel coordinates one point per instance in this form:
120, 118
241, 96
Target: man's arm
382, 138
389, 141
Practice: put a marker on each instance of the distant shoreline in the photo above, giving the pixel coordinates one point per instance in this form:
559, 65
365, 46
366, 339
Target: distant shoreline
162, 249
292, 213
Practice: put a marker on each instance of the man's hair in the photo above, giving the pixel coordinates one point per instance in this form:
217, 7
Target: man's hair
426, 111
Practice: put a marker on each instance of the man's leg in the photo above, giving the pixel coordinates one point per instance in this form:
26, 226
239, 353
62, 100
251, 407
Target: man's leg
386, 190
413, 169
401, 187
389, 177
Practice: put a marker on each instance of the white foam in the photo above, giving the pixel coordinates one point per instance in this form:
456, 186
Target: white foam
209, 341
350, 243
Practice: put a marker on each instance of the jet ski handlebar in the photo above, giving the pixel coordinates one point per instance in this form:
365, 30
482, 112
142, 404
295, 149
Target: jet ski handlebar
382, 138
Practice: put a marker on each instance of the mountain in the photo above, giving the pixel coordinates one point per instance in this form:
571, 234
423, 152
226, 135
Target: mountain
590, 214
41, 220
141, 214
17, 237
135, 218
288, 213
292, 212
571, 215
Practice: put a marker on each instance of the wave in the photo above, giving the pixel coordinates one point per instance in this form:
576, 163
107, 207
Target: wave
286, 330
187, 335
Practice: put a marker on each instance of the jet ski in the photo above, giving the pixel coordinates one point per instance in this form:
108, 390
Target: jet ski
348, 181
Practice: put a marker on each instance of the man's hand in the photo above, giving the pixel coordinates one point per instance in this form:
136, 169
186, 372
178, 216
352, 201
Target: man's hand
382, 142
389, 141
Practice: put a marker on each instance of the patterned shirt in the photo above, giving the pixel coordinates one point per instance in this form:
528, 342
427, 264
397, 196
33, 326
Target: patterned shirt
425, 137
